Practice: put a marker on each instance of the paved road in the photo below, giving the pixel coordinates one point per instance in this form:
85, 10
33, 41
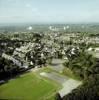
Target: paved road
57, 65
67, 83
55, 77
68, 86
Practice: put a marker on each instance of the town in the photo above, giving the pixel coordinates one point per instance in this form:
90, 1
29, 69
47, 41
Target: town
49, 62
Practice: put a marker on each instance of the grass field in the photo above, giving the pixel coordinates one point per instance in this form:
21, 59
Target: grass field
70, 74
29, 86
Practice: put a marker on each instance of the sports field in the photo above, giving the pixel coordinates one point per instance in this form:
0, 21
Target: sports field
29, 86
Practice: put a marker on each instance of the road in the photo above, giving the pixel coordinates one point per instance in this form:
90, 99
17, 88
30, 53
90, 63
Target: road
55, 77
57, 65
67, 83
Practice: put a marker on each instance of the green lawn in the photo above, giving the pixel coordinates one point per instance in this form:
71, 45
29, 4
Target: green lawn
70, 74
29, 86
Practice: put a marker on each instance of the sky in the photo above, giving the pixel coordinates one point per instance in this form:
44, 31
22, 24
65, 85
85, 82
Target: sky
49, 11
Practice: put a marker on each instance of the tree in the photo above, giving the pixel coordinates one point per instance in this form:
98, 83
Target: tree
58, 97
88, 91
80, 62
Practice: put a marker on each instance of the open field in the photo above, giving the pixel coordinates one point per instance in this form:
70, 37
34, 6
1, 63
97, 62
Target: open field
29, 86
69, 73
